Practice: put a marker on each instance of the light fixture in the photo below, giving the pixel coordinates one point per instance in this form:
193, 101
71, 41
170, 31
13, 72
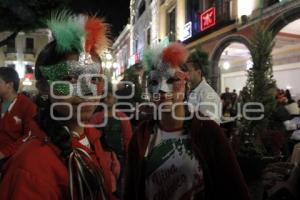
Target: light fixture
226, 65
246, 8
115, 65
108, 56
108, 65
288, 87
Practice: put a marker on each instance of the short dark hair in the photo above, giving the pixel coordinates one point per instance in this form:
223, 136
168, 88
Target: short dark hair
200, 61
48, 56
9, 74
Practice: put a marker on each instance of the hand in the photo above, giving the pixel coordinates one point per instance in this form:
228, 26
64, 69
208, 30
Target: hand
179, 86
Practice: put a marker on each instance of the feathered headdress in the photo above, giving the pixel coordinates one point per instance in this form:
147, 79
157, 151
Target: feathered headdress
173, 55
152, 57
80, 33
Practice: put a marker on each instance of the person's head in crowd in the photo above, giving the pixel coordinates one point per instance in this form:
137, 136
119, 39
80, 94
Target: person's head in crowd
288, 95
166, 78
110, 100
227, 89
9, 82
198, 67
280, 97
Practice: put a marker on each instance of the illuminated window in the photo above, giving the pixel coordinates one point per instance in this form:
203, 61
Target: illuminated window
29, 45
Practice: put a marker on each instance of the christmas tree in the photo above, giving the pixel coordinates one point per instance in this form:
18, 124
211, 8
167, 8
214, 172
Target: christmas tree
259, 89
260, 85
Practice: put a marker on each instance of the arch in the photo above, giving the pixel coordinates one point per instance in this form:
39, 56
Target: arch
216, 55
286, 68
284, 19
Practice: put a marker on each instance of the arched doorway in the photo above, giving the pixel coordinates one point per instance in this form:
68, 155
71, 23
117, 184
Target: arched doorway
229, 63
286, 57
233, 65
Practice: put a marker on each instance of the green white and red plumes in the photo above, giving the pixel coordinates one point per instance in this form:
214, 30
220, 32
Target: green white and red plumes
78, 33
175, 54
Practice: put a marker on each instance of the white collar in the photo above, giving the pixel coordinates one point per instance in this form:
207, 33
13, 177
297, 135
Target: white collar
201, 85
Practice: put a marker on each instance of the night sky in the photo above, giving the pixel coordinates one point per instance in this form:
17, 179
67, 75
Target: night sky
116, 12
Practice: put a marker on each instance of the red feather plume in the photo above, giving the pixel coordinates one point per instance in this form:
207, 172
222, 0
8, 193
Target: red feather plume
175, 54
96, 34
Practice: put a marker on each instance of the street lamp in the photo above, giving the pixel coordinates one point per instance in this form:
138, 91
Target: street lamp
115, 65
108, 64
108, 56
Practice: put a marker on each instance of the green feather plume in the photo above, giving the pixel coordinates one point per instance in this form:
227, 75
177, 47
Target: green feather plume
151, 58
67, 31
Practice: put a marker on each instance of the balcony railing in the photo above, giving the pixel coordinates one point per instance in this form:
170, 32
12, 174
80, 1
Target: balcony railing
10, 50
29, 54
29, 51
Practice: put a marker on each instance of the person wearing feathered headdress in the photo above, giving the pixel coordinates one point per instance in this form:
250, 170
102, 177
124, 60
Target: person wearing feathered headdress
62, 157
178, 156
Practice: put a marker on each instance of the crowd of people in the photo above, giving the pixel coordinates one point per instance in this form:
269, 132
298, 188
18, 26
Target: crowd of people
62, 147
283, 120
283, 97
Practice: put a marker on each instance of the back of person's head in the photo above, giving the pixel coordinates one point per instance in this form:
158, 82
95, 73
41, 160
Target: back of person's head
10, 75
48, 56
288, 94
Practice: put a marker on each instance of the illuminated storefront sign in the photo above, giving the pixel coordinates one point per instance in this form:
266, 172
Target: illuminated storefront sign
136, 58
187, 31
208, 19
133, 59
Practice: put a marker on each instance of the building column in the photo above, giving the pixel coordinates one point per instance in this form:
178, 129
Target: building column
162, 22
180, 18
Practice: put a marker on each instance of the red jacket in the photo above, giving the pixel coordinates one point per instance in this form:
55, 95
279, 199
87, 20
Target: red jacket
14, 124
38, 172
125, 124
222, 175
